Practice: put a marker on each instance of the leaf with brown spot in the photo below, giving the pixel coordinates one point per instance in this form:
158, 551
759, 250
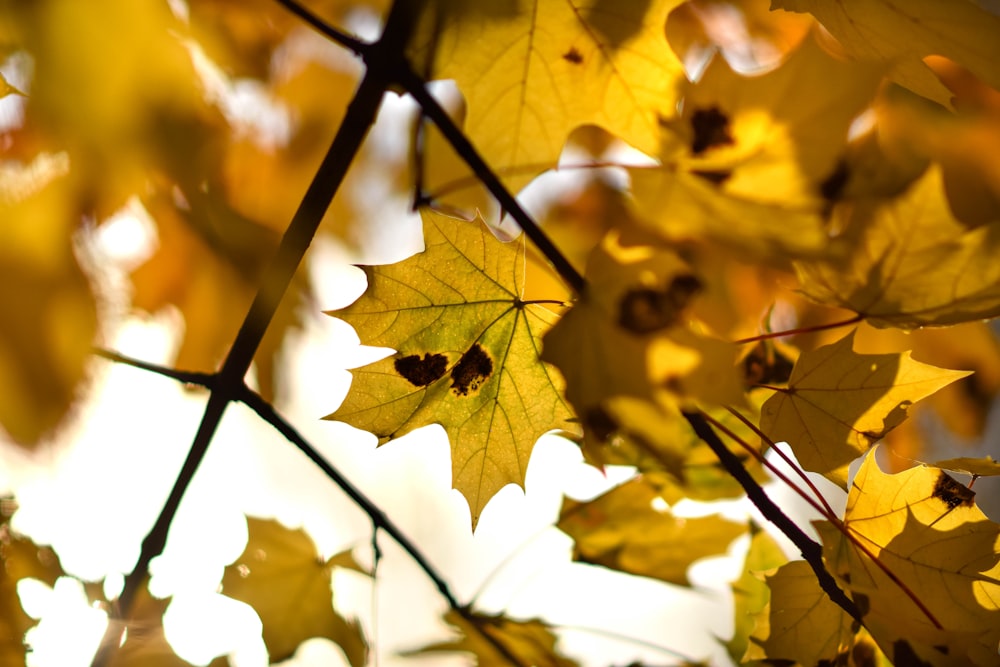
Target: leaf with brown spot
459, 305
745, 163
924, 528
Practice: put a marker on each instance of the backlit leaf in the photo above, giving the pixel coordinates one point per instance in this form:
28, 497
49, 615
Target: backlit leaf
984, 467
532, 71
146, 644
466, 356
913, 264
288, 584
624, 530
902, 34
839, 403
801, 623
527, 642
746, 162
750, 593
925, 528
631, 327
20, 558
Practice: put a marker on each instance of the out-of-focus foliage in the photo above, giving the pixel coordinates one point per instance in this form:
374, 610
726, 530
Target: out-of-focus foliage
802, 168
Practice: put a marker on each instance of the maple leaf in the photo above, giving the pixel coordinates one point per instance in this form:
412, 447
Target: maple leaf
146, 644
925, 528
630, 324
800, 623
913, 264
839, 403
902, 34
750, 593
282, 577
984, 467
20, 558
532, 70
747, 161
467, 356
659, 442
529, 642
50, 314
622, 530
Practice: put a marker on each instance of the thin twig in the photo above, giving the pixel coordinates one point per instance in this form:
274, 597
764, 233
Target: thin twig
811, 551
801, 330
349, 42
206, 380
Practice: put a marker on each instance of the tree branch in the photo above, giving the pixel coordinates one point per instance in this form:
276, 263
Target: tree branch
228, 383
380, 521
811, 551
206, 380
417, 87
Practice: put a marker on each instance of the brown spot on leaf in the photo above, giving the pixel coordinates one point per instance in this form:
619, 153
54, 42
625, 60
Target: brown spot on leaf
832, 188
765, 364
952, 493
645, 310
599, 423
573, 56
471, 371
713, 177
711, 128
903, 654
422, 372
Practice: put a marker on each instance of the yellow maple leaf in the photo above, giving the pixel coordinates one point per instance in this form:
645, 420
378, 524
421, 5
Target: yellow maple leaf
282, 577
750, 593
800, 623
146, 643
747, 161
20, 558
533, 70
913, 263
524, 642
622, 530
902, 34
925, 528
839, 403
631, 327
659, 442
466, 356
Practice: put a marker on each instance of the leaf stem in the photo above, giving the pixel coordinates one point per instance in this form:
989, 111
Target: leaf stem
811, 551
784, 457
801, 330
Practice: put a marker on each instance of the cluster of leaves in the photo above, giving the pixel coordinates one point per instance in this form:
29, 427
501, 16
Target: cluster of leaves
847, 191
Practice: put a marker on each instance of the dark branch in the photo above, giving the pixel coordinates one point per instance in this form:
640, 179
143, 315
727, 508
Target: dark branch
417, 87
228, 383
205, 380
811, 551
319, 25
